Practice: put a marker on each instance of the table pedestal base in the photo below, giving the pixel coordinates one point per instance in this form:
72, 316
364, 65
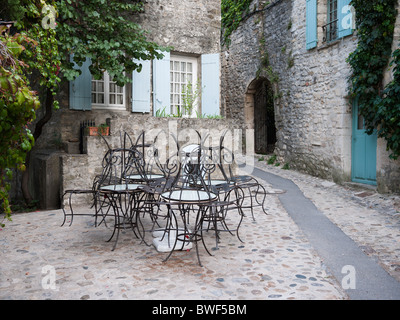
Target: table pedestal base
165, 242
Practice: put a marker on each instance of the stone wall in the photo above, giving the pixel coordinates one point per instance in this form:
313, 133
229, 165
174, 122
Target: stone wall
312, 116
320, 140
189, 26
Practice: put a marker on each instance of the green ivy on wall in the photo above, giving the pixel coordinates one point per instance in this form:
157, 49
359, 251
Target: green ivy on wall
388, 110
379, 106
232, 13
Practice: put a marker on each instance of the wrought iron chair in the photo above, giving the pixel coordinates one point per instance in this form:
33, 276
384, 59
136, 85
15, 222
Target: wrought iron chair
96, 203
230, 195
124, 197
100, 204
152, 168
256, 192
158, 181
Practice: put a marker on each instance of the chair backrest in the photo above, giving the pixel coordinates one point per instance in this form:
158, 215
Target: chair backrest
162, 157
120, 163
226, 160
217, 160
149, 150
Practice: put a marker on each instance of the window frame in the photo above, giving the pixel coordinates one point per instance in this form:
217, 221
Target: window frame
107, 105
182, 58
332, 21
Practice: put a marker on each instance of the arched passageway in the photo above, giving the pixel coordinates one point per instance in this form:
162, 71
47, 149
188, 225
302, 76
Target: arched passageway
260, 115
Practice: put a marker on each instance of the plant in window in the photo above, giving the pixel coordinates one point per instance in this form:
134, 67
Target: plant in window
189, 97
162, 112
208, 116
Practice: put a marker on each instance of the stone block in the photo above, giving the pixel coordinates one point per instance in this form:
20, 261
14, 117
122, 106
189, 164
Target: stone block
72, 147
46, 179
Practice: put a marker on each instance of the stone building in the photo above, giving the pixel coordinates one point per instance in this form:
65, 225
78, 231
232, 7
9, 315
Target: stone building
63, 159
285, 75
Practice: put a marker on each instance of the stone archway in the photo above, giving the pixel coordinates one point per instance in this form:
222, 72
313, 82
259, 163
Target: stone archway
260, 115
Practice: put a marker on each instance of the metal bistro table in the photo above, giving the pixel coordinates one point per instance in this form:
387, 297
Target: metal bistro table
185, 201
125, 201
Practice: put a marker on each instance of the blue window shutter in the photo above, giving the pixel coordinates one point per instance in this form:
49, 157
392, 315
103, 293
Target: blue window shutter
210, 86
311, 24
345, 18
80, 89
161, 83
141, 88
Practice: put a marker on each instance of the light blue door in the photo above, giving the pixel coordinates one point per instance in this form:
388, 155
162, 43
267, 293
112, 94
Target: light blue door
363, 166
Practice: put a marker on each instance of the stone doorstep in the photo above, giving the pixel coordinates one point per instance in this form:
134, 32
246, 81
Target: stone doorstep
360, 186
364, 194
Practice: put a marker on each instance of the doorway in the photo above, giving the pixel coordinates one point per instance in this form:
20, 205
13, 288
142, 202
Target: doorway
363, 163
264, 118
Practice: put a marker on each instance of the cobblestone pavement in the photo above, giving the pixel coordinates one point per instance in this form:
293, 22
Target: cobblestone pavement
274, 261
369, 218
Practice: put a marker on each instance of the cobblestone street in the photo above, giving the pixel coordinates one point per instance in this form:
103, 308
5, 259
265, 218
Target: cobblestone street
274, 261
370, 219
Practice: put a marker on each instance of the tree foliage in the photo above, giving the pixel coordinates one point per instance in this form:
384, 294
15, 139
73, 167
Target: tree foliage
18, 104
388, 110
39, 66
105, 32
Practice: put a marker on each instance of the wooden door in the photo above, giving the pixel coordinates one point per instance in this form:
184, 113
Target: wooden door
264, 119
363, 164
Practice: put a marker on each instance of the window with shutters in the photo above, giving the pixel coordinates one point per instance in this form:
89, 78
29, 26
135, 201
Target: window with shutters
169, 86
327, 21
176, 87
331, 27
184, 90
106, 94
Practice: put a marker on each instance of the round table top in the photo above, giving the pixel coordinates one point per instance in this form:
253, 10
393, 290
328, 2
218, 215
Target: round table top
121, 187
187, 195
216, 182
149, 176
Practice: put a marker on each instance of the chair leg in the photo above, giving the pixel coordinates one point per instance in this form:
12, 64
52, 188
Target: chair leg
63, 209
172, 224
71, 214
251, 203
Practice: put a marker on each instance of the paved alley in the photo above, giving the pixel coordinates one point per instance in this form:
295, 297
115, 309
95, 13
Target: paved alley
278, 258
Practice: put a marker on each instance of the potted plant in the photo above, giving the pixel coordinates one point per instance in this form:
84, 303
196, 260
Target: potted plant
103, 129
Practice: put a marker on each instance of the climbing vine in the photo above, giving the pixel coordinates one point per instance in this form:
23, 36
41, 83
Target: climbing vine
18, 104
388, 110
379, 106
232, 13
39, 66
